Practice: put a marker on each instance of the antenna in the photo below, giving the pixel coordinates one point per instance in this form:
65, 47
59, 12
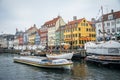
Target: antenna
103, 24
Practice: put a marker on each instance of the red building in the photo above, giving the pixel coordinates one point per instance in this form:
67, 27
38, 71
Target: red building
43, 35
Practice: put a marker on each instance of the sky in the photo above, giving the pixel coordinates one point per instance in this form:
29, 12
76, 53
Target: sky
22, 14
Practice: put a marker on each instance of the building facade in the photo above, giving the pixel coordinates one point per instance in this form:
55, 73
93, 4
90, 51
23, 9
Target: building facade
78, 32
111, 25
32, 34
44, 35
18, 38
37, 37
6, 41
59, 35
52, 26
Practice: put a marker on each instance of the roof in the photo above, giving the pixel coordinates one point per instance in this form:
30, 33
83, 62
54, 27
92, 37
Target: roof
34, 26
105, 16
75, 21
52, 21
91, 23
115, 15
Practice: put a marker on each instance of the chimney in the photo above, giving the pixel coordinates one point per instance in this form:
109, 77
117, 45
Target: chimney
16, 29
34, 25
112, 10
92, 19
74, 18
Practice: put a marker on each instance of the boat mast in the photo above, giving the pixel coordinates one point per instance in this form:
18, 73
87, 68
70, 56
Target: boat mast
103, 24
60, 35
71, 39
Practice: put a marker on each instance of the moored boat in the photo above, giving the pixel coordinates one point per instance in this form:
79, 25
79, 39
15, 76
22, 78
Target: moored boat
60, 56
25, 53
45, 63
104, 53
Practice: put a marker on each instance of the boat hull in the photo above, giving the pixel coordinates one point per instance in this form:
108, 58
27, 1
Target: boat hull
36, 62
105, 60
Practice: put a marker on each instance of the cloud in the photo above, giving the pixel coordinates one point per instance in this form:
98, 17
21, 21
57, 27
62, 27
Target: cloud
23, 14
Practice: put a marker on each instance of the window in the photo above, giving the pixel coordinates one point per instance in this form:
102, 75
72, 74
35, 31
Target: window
84, 21
86, 24
99, 25
86, 29
108, 30
110, 17
76, 35
118, 29
118, 21
112, 23
90, 30
81, 24
113, 29
108, 24
79, 35
79, 29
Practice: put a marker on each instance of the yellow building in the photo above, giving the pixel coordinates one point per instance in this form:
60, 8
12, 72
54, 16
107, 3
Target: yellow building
31, 34
78, 32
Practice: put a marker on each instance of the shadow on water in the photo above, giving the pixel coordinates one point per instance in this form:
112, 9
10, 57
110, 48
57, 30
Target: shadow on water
108, 66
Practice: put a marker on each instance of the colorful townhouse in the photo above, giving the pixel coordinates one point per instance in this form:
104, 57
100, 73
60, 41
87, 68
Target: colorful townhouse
18, 39
25, 38
52, 26
37, 37
32, 34
43, 35
59, 35
78, 32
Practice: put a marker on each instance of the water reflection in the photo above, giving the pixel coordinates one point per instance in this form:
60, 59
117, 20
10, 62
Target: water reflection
80, 71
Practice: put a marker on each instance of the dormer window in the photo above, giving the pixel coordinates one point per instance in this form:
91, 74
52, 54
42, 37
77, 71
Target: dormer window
110, 17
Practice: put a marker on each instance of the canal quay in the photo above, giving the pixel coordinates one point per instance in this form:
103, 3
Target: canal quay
81, 70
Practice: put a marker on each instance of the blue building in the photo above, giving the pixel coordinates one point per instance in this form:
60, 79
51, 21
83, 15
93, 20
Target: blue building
37, 38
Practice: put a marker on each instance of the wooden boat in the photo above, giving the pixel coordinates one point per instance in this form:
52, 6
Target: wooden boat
60, 56
45, 63
104, 60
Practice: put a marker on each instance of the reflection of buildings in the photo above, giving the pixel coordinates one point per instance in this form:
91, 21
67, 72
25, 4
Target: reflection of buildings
111, 26
80, 70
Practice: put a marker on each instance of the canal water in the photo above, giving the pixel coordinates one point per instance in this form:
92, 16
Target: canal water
80, 71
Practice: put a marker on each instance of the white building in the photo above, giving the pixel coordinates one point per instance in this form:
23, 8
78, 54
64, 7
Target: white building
3, 42
52, 26
111, 24
6, 41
